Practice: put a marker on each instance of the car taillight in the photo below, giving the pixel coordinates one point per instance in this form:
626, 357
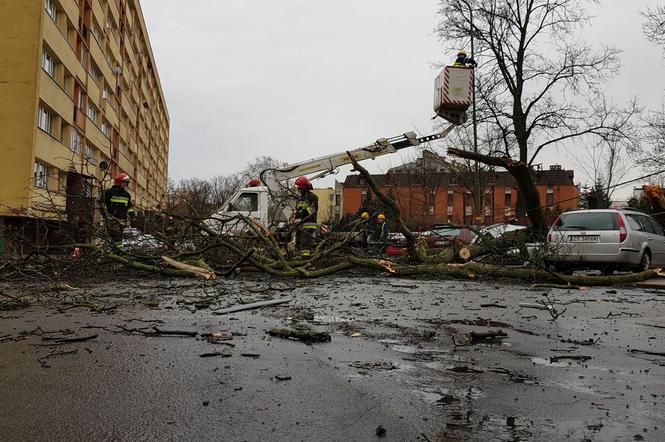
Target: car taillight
623, 233
555, 226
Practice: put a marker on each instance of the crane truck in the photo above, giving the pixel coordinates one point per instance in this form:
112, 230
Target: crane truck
267, 201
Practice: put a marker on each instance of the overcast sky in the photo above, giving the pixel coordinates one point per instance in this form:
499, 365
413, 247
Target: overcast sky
297, 79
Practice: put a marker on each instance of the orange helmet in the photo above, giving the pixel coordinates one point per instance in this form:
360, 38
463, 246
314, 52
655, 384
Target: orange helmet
302, 182
121, 177
381, 217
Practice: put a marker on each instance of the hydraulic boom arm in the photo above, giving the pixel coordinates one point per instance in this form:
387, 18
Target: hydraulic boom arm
327, 164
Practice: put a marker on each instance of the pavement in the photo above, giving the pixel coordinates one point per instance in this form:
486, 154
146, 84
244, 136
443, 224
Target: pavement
406, 362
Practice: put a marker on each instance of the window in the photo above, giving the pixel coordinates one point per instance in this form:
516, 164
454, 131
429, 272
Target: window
51, 9
634, 223
94, 73
45, 119
589, 221
80, 98
550, 197
651, 225
106, 127
508, 199
92, 113
48, 63
106, 93
468, 199
90, 153
40, 178
77, 141
450, 198
122, 147
84, 56
96, 32
110, 24
246, 202
86, 187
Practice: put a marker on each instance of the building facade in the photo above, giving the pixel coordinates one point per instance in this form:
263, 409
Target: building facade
79, 88
433, 197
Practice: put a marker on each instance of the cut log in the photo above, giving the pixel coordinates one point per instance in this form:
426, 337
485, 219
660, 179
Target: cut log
198, 271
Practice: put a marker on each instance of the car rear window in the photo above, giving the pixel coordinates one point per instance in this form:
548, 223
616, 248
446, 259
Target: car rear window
589, 221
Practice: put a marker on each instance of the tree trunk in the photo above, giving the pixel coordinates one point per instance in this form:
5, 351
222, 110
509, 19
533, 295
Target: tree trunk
522, 174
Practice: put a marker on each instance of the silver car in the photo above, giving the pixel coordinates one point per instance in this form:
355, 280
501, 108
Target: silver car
606, 239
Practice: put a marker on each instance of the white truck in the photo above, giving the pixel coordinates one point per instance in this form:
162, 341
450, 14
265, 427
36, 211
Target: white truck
270, 201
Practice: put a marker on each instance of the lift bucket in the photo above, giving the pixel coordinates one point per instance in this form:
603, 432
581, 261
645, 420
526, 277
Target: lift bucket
453, 92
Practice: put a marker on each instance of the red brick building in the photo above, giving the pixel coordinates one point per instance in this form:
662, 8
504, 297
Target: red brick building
429, 196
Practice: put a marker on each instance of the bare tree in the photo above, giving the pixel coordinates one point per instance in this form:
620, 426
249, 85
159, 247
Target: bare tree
605, 164
654, 26
200, 197
652, 153
537, 83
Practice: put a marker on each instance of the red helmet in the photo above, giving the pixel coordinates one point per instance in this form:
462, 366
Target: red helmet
119, 178
303, 183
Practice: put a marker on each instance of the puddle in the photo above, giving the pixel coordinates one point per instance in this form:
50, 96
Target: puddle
546, 362
577, 387
410, 349
506, 428
389, 341
444, 364
328, 319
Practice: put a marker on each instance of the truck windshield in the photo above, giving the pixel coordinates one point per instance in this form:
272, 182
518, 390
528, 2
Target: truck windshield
589, 221
246, 202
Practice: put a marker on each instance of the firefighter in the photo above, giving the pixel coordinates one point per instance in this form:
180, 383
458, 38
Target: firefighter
117, 206
460, 61
304, 218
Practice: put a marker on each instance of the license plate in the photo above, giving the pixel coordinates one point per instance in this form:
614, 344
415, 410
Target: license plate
583, 238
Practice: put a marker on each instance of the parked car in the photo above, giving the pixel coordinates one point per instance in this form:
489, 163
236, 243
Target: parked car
606, 240
135, 241
496, 231
446, 237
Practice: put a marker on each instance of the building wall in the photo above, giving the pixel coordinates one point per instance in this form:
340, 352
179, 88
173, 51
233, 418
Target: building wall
418, 212
89, 65
19, 54
326, 204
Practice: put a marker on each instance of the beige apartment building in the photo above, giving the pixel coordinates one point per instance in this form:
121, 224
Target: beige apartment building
78, 87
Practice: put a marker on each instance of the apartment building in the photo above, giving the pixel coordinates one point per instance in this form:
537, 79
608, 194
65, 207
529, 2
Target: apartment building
429, 193
79, 89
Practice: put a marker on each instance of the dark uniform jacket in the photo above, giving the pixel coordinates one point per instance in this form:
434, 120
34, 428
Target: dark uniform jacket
381, 231
118, 202
306, 207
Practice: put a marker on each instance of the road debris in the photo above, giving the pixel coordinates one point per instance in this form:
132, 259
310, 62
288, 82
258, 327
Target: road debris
215, 353
198, 271
252, 306
305, 335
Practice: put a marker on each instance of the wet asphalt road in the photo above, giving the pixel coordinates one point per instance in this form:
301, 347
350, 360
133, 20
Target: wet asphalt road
400, 358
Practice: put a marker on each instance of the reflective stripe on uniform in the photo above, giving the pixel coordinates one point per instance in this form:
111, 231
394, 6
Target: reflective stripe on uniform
120, 199
304, 205
310, 226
